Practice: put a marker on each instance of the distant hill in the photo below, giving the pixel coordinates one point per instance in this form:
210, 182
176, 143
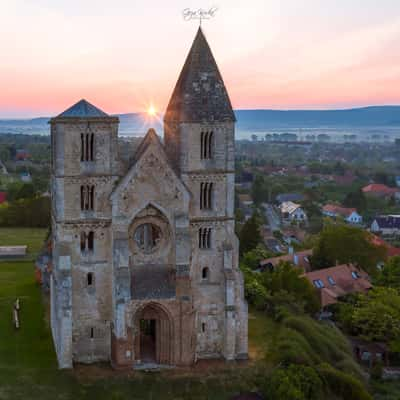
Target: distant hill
388, 116
136, 124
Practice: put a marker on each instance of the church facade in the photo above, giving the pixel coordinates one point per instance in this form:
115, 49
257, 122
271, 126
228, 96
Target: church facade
145, 256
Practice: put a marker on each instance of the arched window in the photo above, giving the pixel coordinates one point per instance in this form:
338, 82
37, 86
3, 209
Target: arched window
206, 196
87, 146
205, 273
82, 147
90, 244
203, 327
91, 147
205, 238
210, 143
87, 241
206, 145
89, 279
87, 197
83, 197
147, 237
83, 241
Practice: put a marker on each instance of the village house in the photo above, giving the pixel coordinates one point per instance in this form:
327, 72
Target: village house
350, 215
380, 190
285, 197
391, 251
21, 155
386, 225
26, 177
299, 259
292, 212
335, 282
347, 179
245, 200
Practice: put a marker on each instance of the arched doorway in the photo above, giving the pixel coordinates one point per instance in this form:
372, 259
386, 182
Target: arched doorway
153, 340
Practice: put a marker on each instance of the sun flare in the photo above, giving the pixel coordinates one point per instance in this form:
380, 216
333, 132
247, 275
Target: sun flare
151, 111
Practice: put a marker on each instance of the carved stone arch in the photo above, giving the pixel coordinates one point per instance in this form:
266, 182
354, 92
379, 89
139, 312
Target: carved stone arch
155, 345
147, 209
151, 215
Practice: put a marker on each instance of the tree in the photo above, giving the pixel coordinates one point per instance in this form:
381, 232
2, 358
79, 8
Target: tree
296, 382
389, 275
345, 244
288, 288
250, 235
339, 168
384, 177
27, 212
376, 316
356, 200
258, 193
26, 191
315, 224
252, 258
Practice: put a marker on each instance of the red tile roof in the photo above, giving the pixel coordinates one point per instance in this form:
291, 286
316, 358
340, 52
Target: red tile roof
344, 211
391, 250
299, 258
338, 281
379, 188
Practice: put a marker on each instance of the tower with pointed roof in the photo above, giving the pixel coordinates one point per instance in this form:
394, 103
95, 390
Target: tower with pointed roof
199, 134
145, 257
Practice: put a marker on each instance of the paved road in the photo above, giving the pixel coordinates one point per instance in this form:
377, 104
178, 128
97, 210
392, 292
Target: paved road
273, 218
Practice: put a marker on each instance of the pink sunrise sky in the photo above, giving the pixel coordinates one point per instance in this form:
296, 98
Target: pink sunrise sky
123, 55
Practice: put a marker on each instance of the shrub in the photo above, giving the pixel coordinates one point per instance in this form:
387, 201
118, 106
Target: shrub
291, 347
303, 340
341, 384
294, 383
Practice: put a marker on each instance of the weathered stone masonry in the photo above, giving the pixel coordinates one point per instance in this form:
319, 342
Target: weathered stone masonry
145, 252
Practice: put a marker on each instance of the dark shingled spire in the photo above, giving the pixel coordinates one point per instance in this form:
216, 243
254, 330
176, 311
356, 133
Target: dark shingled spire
200, 94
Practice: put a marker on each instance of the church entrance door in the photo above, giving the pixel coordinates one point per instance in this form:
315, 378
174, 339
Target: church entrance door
153, 341
148, 340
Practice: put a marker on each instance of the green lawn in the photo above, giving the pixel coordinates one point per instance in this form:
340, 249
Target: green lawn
32, 237
261, 332
28, 368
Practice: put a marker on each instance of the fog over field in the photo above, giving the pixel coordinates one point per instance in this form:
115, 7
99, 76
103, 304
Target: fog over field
359, 124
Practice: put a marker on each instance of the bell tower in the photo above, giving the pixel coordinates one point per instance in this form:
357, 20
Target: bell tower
199, 130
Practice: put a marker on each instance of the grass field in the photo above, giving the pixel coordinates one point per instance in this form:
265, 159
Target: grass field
28, 368
32, 237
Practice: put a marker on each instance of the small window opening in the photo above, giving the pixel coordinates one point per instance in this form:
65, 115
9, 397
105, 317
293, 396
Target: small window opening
206, 189
204, 273
83, 241
91, 333
90, 279
91, 241
87, 197
205, 238
203, 327
206, 145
